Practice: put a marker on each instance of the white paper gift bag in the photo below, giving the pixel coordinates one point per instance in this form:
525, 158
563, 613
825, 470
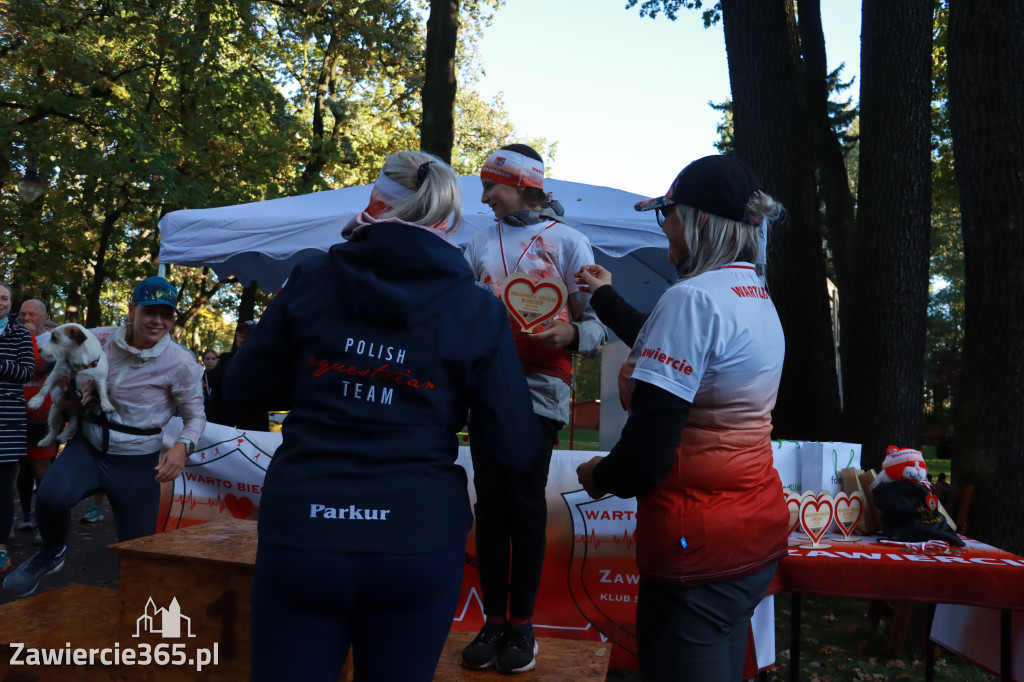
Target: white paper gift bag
786, 460
821, 462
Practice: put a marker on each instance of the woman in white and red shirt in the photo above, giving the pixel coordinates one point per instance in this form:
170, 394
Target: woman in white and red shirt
700, 383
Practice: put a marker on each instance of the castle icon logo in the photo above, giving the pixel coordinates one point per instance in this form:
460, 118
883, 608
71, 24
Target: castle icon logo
166, 622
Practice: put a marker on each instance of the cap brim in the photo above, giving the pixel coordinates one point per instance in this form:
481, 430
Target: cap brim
156, 302
651, 204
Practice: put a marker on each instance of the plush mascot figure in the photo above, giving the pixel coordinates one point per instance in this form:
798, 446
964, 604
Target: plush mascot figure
908, 502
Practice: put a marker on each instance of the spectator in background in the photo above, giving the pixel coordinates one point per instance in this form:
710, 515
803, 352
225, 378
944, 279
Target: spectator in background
210, 360
221, 411
33, 315
17, 364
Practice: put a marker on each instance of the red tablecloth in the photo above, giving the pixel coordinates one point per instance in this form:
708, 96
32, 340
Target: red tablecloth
976, 575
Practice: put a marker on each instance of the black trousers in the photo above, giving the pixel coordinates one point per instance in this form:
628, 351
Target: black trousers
511, 529
697, 633
129, 482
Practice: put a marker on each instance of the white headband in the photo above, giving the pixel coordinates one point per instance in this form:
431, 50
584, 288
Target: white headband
386, 194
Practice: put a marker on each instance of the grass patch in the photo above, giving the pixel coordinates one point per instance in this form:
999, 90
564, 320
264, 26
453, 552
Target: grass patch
837, 643
580, 439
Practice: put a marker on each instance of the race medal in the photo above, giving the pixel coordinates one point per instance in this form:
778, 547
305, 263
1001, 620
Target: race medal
530, 303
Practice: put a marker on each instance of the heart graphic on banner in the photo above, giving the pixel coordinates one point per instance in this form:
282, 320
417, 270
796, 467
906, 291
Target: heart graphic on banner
816, 514
240, 507
849, 509
532, 303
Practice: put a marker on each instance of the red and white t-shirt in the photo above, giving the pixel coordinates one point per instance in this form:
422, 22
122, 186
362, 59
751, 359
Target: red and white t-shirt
545, 249
714, 340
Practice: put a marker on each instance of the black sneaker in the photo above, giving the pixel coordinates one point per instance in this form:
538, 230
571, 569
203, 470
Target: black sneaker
518, 650
481, 652
24, 580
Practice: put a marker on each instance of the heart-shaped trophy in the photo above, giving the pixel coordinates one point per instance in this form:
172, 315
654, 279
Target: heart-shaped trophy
849, 509
805, 495
793, 502
816, 514
530, 303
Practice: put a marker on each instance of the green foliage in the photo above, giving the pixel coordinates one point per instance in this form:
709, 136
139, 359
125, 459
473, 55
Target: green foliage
842, 114
129, 111
945, 334
651, 8
588, 378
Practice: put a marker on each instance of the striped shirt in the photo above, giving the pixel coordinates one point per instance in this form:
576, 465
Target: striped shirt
17, 364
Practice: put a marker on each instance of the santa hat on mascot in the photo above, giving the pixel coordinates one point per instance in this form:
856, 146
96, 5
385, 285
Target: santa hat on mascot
903, 464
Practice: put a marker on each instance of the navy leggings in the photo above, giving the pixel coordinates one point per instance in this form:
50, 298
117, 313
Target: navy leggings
511, 529
395, 610
697, 633
129, 482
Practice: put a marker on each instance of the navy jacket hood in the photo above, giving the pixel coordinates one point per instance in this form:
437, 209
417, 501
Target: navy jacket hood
398, 287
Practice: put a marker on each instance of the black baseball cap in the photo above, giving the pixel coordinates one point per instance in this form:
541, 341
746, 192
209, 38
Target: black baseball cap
720, 184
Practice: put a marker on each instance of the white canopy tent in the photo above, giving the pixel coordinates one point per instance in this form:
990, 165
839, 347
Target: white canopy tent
262, 241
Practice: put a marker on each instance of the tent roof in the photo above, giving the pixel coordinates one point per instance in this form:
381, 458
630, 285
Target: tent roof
261, 241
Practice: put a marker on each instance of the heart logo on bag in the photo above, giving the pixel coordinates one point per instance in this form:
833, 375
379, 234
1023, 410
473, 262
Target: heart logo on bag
532, 303
240, 507
816, 514
849, 509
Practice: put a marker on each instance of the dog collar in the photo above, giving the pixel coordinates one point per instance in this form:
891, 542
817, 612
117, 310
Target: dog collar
91, 365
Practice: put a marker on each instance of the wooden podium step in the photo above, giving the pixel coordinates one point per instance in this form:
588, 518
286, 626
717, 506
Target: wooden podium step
558, 660
203, 576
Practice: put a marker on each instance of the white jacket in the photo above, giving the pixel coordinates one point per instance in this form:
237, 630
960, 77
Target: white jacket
147, 388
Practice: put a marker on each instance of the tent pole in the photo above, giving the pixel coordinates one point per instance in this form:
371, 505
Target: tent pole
572, 404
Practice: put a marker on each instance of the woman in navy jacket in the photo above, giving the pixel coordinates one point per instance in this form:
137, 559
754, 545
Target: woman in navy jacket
378, 348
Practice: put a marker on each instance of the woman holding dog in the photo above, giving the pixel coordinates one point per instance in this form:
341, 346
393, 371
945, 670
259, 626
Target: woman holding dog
17, 365
364, 514
150, 379
700, 382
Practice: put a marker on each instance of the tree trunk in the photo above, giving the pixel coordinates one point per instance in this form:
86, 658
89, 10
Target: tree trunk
73, 300
246, 309
884, 310
437, 127
834, 182
771, 126
986, 69
318, 146
93, 309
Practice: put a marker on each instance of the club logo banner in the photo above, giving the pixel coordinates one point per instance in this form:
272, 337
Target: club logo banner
589, 542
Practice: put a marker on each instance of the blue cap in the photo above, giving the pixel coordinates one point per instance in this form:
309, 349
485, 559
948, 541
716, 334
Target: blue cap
155, 291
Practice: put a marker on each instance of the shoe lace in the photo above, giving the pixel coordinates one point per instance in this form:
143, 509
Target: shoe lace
518, 638
38, 564
489, 634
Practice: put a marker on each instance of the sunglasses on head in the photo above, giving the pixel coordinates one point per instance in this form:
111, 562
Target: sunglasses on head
661, 213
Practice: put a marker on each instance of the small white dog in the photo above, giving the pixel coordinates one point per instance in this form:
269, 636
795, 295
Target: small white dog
77, 355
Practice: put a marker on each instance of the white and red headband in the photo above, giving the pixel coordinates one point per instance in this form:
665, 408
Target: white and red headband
386, 194
512, 168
